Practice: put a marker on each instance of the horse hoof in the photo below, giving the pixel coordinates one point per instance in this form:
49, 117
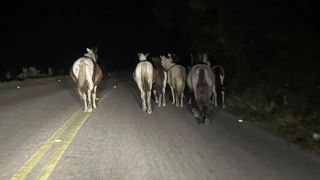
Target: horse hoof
149, 111
144, 109
207, 121
196, 113
88, 110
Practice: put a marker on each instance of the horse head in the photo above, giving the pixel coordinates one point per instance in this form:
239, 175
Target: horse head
156, 61
166, 62
142, 57
92, 53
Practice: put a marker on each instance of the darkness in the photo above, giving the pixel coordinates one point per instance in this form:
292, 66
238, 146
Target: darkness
259, 38
56, 33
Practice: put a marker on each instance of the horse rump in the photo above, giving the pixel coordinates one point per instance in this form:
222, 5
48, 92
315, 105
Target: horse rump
203, 95
200, 83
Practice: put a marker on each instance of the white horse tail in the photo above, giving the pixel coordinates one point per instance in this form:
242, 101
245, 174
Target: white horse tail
180, 83
82, 76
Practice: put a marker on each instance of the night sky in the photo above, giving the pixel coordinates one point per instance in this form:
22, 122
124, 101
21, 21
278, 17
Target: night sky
241, 35
56, 33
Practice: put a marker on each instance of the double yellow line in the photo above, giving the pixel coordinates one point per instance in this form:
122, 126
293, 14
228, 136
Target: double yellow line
73, 124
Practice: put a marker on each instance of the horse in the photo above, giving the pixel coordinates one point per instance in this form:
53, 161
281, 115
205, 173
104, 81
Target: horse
87, 74
143, 76
203, 58
201, 81
221, 80
177, 75
159, 82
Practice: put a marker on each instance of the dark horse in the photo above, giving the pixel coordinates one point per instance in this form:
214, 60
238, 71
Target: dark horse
201, 81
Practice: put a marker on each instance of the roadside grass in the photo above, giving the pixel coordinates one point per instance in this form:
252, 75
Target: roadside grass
296, 125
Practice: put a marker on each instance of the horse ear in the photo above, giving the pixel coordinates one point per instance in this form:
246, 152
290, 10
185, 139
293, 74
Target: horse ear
88, 50
169, 55
139, 54
147, 55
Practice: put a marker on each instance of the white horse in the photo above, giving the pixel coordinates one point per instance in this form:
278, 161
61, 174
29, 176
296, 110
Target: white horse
143, 75
177, 75
87, 74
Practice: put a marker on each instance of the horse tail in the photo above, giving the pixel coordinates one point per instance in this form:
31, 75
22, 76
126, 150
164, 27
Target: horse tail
145, 84
180, 84
202, 78
202, 89
82, 76
144, 78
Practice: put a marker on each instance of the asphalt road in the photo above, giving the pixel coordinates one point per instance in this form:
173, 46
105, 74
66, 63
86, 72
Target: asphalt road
43, 134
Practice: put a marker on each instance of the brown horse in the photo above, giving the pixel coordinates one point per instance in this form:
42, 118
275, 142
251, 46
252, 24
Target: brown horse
159, 82
87, 74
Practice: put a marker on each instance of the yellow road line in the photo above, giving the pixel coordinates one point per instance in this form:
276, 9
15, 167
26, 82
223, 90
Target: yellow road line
27, 167
56, 156
36, 157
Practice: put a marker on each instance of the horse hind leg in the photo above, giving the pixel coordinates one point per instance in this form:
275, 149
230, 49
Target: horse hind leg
143, 99
94, 95
214, 96
149, 92
164, 90
181, 99
206, 120
155, 96
222, 94
89, 100
160, 99
149, 102
173, 95
84, 98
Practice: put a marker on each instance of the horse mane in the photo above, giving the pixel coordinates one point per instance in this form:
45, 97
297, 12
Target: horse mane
157, 63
